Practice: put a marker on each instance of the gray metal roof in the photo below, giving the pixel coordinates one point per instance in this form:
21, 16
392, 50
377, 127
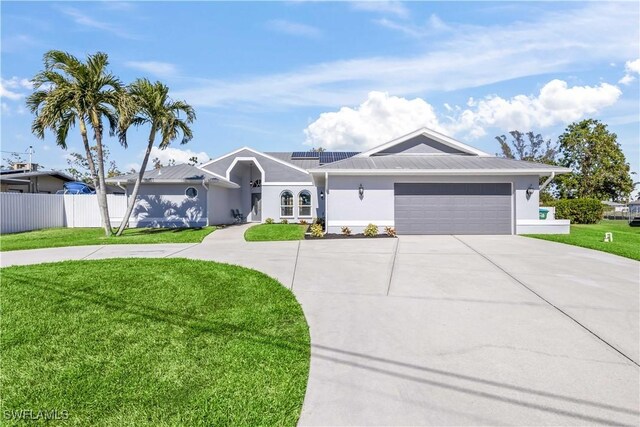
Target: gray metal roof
175, 173
426, 162
19, 174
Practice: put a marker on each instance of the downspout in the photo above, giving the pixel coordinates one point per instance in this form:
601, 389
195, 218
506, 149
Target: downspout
547, 182
326, 202
204, 181
122, 188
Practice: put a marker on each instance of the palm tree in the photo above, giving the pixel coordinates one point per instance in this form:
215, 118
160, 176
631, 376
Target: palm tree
69, 91
152, 106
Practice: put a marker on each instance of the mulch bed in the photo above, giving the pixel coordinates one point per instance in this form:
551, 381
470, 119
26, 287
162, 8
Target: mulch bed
333, 236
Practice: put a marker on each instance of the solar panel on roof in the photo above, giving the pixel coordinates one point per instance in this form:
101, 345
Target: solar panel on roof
305, 155
334, 156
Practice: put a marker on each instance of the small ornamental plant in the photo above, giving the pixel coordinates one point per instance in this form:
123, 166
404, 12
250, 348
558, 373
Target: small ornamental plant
316, 230
371, 230
268, 221
390, 231
346, 231
303, 222
284, 221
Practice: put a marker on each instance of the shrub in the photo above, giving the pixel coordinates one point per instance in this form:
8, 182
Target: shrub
579, 211
319, 221
390, 231
346, 231
284, 221
316, 230
303, 222
269, 221
371, 230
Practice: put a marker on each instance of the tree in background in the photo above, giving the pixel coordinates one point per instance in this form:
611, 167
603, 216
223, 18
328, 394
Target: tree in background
534, 149
11, 160
600, 169
152, 106
79, 165
69, 92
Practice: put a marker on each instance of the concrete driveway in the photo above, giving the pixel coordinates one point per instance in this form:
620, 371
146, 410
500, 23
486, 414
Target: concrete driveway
447, 330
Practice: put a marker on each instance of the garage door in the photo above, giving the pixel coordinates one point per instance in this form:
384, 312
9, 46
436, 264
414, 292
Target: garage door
453, 208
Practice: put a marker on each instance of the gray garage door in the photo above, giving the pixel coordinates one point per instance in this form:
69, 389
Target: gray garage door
448, 208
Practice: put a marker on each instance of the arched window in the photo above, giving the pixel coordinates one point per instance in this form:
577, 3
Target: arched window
304, 203
286, 203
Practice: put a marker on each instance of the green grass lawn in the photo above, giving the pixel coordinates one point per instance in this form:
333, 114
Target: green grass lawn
274, 232
159, 342
626, 239
56, 237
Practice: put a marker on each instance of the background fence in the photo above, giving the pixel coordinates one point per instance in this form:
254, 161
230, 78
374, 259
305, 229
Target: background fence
24, 212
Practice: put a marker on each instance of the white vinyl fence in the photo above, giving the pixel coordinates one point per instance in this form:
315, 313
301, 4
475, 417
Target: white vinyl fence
24, 212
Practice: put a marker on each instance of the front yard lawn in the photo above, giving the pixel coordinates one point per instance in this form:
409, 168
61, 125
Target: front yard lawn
56, 237
274, 232
158, 342
626, 239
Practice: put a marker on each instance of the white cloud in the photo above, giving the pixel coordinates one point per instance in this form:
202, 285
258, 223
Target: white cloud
157, 68
10, 88
467, 57
378, 119
294, 28
385, 7
630, 68
433, 26
381, 117
87, 21
176, 154
557, 103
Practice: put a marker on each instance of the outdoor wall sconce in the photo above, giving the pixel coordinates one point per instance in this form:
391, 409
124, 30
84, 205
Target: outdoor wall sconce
321, 194
529, 192
361, 191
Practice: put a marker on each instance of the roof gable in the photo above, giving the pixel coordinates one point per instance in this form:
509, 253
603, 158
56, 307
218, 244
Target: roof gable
424, 142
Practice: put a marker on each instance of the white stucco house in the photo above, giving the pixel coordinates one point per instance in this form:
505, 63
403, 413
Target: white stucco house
421, 183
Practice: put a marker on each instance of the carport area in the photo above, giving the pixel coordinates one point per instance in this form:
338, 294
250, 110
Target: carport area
469, 330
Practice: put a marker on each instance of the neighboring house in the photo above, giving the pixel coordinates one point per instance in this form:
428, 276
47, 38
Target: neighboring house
26, 178
421, 183
615, 206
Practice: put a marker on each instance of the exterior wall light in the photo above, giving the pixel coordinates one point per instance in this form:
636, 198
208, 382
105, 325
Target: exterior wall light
529, 192
322, 194
361, 191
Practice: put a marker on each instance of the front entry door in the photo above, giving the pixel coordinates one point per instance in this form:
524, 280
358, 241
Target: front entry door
256, 206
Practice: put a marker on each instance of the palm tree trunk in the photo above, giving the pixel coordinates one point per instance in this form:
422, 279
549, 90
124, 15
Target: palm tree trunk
136, 187
101, 191
87, 148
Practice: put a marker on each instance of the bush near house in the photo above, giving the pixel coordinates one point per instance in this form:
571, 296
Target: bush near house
370, 230
316, 230
579, 211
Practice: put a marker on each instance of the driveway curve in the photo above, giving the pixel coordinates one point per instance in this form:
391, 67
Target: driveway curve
445, 330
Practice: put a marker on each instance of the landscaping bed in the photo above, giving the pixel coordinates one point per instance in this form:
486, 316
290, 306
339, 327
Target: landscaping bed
335, 236
152, 342
59, 237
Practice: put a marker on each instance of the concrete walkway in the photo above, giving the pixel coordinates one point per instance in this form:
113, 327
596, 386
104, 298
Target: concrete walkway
445, 330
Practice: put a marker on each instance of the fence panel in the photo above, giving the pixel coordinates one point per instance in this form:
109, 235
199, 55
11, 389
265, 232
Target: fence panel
82, 210
23, 212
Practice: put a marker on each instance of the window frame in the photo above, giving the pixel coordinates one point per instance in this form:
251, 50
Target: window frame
190, 197
300, 205
283, 206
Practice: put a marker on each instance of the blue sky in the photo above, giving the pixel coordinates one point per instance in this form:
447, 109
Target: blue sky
344, 75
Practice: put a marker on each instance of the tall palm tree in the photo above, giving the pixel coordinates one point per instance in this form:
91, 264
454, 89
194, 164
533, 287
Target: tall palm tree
69, 91
152, 106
